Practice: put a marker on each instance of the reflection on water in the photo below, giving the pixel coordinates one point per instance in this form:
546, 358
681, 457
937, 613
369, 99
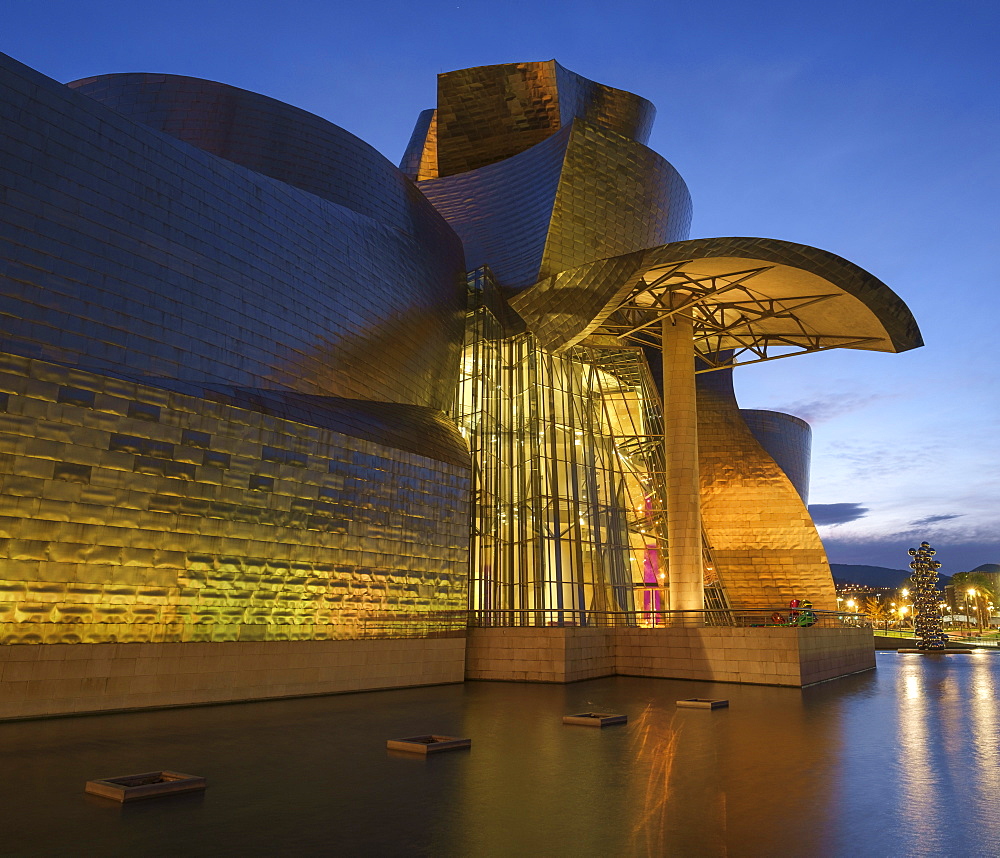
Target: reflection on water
921, 778
655, 741
903, 761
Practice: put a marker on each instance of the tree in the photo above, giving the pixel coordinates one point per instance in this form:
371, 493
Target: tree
875, 611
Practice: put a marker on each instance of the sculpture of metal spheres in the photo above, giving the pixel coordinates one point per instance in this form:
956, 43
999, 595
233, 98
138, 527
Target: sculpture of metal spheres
926, 619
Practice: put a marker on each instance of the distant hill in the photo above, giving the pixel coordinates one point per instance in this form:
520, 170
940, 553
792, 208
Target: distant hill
871, 576
988, 567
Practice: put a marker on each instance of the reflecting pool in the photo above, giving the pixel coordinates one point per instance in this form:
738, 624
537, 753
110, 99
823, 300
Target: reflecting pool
901, 761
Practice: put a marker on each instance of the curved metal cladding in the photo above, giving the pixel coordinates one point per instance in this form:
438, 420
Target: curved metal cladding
136, 513
274, 139
786, 439
489, 113
502, 212
582, 194
207, 271
540, 170
765, 546
218, 391
615, 196
419, 159
614, 109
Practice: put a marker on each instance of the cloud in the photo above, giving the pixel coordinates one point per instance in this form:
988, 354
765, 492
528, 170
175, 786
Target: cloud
865, 461
828, 407
836, 513
934, 519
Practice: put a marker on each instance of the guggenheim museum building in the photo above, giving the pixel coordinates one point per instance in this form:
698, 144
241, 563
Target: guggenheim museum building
278, 417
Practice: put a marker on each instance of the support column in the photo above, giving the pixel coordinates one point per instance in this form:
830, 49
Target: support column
683, 486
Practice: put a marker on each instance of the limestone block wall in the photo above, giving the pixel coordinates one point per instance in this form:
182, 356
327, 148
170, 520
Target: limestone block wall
835, 652
758, 656
76, 678
717, 654
539, 654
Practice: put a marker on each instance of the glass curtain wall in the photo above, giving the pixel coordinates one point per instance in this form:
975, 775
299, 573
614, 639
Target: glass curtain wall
567, 451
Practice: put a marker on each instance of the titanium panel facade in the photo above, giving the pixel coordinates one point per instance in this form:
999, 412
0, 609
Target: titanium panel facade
224, 354
134, 253
136, 514
273, 139
502, 211
786, 439
489, 113
582, 194
419, 160
761, 536
231, 331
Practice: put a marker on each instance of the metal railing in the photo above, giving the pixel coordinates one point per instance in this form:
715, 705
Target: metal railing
742, 618
955, 636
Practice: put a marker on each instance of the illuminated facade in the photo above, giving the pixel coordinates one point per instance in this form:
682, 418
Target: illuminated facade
234, 333
197, 442
586, 278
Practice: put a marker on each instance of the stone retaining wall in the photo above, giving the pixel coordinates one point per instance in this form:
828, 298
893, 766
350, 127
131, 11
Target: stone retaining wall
59, 679
764, 656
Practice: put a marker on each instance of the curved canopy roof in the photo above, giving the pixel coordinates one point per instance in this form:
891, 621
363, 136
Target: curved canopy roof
758, 298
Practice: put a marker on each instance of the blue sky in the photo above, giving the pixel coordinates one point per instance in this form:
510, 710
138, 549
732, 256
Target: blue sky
869, 129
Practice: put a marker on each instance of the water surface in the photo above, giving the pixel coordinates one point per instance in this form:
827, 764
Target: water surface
902, 761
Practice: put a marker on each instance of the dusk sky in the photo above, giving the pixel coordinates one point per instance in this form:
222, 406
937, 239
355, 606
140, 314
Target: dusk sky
869, 129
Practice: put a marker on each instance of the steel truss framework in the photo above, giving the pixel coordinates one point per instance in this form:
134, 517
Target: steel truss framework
734, 324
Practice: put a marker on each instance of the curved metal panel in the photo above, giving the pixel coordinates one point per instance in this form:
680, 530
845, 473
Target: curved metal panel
583, 194
614, 109
271, 138
132, 513
615, 196
489, 113
786, 439
502, 212
762, 539
419, 160
563, 309
134, 253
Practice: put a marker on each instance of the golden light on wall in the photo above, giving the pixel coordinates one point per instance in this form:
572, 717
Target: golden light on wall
132, 513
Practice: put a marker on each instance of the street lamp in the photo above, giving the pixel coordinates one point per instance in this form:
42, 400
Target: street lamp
968, 595
905, 594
